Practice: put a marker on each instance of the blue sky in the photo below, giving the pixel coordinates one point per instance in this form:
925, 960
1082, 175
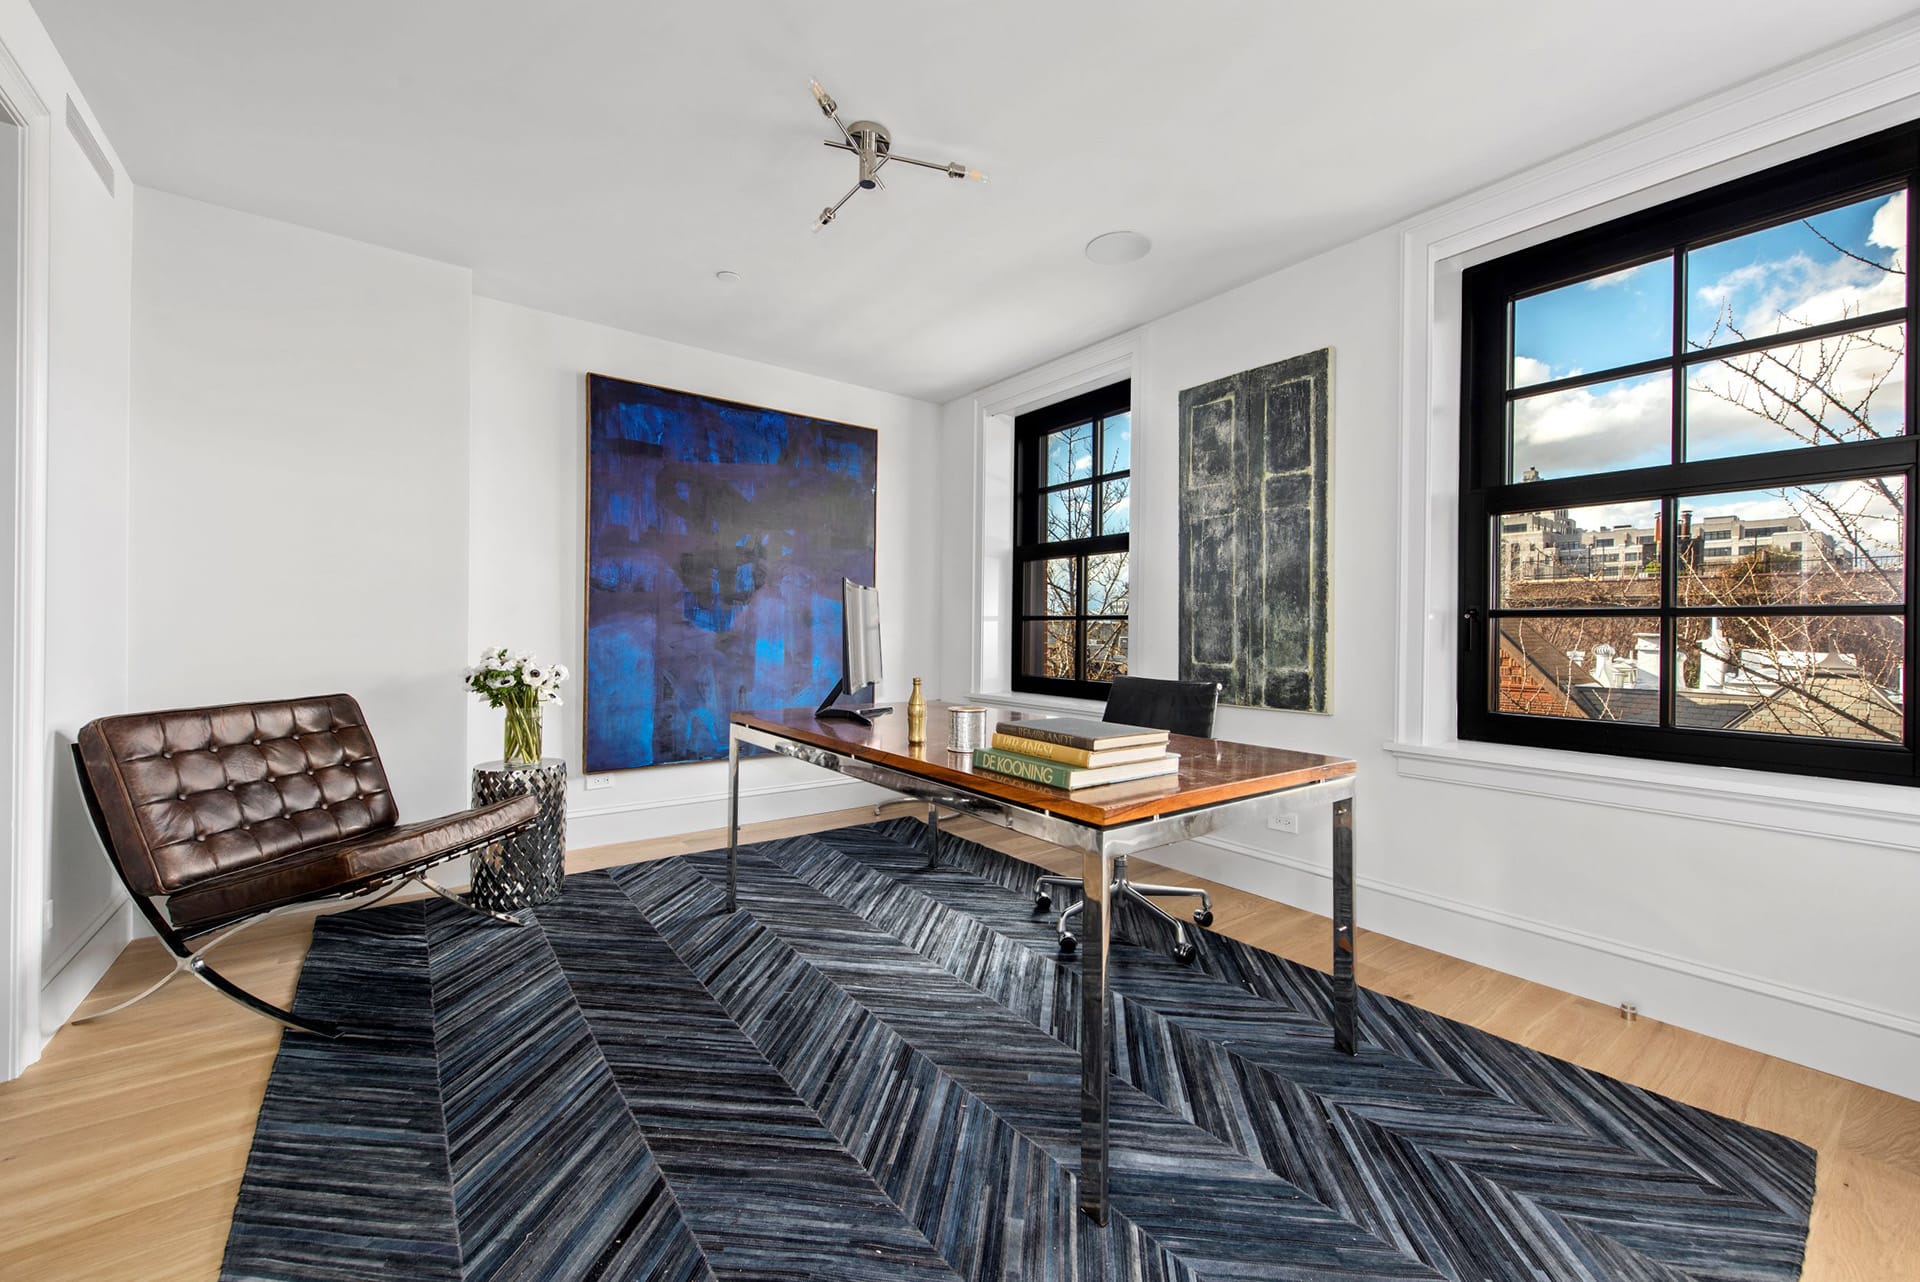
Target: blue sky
1616, 319
1769, 282
1627, 316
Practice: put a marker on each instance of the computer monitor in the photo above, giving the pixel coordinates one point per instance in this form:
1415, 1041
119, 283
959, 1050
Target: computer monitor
859, 657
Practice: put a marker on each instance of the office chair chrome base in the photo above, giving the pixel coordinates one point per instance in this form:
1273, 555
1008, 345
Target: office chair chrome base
1184, 949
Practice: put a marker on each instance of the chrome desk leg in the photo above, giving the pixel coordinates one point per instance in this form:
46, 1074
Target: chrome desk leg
1098, 870
933, 838
1345, 1018
733, 819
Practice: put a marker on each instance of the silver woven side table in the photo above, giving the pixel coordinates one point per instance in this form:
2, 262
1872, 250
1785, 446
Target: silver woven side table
527, 869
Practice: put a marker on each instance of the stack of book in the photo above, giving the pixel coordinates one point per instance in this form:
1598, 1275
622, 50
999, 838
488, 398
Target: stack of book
1070, 752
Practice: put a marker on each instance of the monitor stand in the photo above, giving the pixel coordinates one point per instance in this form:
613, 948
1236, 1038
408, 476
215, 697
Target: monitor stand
827, 711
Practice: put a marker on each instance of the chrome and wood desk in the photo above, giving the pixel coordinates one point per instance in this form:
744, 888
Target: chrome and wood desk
1218, 783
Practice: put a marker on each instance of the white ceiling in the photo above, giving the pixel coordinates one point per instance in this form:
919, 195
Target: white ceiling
603, 158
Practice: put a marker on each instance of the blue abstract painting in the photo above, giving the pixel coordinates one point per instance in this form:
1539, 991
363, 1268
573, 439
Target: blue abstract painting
717, 536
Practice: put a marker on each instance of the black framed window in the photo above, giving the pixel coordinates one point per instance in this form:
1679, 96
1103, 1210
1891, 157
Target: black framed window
1071, 523
1687, 468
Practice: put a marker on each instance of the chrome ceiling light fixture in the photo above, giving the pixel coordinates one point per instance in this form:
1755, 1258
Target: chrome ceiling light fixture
872, 143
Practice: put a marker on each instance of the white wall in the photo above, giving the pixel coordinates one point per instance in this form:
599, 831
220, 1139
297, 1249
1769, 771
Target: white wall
1789, 944
64, 916
87, 547
300, 463
527, 567
351, 474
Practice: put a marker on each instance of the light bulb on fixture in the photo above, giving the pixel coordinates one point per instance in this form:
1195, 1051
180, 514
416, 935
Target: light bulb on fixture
872, 144
828, 107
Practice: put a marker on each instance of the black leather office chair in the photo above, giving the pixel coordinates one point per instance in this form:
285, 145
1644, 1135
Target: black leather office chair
1181, 707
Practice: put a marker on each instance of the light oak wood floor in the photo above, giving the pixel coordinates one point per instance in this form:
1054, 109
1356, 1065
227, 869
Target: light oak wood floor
121, 1151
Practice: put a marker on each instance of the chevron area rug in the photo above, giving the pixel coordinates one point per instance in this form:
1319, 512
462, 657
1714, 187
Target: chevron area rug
869, 1073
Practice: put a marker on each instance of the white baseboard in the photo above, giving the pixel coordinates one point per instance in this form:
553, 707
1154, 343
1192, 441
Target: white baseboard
68, 985
85, 935
1866, 1043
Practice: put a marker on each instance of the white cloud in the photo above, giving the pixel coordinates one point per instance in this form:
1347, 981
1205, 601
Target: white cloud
1854, 513
1528, 371
1594, 429
1610, 426
1626, 274
1610, 515
1742, 278
1889, 230
1801, 289
1732, 406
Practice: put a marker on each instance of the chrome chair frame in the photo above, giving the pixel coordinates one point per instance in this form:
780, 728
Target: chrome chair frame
1135, 892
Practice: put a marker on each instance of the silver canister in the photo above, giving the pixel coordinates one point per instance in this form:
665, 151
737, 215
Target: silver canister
966, 728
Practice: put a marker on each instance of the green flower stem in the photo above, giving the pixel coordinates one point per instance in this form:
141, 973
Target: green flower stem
523, 740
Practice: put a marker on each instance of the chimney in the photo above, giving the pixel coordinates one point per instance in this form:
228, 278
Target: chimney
1646, 657
1714, 652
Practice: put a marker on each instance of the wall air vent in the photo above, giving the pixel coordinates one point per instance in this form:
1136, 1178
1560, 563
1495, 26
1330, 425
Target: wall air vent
89, 145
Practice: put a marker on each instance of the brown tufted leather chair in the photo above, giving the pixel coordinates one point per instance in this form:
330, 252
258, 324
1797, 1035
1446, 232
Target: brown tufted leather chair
216, 817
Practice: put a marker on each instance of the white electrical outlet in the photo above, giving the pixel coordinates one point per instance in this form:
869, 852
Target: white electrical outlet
594, 783
1284, 823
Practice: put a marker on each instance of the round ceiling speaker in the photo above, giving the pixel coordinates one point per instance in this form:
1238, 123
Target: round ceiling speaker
1118, 247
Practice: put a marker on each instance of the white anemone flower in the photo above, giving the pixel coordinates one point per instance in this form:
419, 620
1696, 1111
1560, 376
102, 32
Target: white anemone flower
534, 674
559, 673
500, 680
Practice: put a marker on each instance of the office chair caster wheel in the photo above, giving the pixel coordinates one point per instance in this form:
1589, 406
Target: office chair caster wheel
1042, 902
1067, 944
1203, 917
1183, 952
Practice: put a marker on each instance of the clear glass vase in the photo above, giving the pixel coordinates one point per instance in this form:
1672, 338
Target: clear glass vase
523, 734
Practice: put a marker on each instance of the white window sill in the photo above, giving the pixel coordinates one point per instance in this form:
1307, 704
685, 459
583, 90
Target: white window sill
1886, 815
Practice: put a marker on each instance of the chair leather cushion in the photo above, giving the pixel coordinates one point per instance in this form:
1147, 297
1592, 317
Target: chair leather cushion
201, 792
1183, 707
341, 865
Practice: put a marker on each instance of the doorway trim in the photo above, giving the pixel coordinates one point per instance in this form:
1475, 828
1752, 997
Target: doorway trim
23, 591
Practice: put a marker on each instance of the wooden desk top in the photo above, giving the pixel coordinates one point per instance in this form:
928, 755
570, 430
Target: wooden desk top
1211, 770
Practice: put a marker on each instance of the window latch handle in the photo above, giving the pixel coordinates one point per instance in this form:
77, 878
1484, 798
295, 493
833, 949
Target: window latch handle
1469, 630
